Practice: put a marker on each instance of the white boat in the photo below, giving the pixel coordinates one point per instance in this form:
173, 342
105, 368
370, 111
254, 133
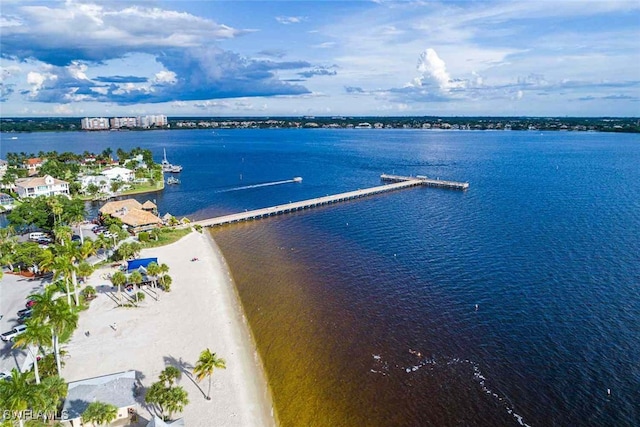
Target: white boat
168, 167
171, 180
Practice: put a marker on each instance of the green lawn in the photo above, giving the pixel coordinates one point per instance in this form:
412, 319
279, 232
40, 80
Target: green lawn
168, 235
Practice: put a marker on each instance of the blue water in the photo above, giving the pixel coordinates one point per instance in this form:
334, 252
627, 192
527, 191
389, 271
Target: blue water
546, 242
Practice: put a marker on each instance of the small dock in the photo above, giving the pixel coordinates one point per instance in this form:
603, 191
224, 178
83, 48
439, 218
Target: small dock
429, 182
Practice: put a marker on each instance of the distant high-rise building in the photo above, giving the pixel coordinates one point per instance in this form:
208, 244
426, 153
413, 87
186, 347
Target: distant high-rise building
124, 122
95, 123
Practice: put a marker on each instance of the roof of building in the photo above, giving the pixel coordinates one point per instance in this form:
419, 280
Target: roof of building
33, 161
137, 217
117, 170
149, 205
37, 181
116, 389
156, 421
110, 208
135, 264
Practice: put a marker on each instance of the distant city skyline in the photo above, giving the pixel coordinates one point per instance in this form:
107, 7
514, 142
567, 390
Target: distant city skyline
321, 58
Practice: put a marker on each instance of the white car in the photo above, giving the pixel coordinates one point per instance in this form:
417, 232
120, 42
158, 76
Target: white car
13, 333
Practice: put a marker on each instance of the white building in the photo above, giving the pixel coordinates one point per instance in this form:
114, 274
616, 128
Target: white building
41, 186
123, 122
158, 120
95, 123
119, 174
102, 182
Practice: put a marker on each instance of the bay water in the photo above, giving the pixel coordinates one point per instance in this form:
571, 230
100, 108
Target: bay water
516, 302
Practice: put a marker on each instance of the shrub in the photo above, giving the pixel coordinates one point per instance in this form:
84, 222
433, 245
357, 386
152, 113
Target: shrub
143, 236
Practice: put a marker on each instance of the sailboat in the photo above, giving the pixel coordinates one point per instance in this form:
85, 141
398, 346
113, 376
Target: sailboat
168, 167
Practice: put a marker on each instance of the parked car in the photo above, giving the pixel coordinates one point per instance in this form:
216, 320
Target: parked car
37, 235
75, 238
25, 312
5, 376
30, 303
13, 333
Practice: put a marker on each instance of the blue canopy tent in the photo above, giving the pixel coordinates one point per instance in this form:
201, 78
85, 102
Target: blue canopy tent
135, 264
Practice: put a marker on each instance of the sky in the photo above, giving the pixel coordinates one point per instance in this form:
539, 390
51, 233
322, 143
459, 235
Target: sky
111, 58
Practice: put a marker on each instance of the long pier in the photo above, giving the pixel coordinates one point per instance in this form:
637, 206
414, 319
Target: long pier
398, 183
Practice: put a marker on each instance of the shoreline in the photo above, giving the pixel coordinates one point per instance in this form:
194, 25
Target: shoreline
201, 311
260, 380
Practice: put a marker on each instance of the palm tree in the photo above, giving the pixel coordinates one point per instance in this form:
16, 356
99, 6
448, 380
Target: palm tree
36, 335
15, 393
18, 394
205, 365
56, 315
84, 270
53, 390
100, 413
102, 242
60, 320
153, 270
177, 399
62, 233
170, 374
118, 279
136, 279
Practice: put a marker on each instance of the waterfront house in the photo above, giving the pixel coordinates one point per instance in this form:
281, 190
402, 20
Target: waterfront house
6, 202
41, 186
32, 165
117, 389
118, 174
100, 181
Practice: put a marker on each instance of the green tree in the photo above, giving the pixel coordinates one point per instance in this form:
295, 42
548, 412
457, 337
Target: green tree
84, 270
28, 254
166, 395
153, 271
99, 413
17, 394
118, 279
35, 336
53, 389
170, 375
55, 314
205, 366
135, 278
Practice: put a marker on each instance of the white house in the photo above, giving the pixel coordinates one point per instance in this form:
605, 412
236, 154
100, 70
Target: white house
119, 174
41, 186
102, 182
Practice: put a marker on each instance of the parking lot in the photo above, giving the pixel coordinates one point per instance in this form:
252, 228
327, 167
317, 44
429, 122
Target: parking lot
14, 291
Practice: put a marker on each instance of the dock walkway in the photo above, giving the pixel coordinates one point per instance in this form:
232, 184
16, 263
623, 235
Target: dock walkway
398, 183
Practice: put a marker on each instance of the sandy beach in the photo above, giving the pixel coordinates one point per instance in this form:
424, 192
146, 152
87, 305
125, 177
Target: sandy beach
202, 310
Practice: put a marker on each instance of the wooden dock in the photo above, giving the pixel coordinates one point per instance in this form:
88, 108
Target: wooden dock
429, 182
398, 183
305, 204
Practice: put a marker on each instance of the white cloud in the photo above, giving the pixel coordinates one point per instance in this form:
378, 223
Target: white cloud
37, 80
290, 19
433, 70
165, 77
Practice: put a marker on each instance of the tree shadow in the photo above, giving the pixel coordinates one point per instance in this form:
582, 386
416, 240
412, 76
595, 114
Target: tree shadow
185, 368
140, 392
